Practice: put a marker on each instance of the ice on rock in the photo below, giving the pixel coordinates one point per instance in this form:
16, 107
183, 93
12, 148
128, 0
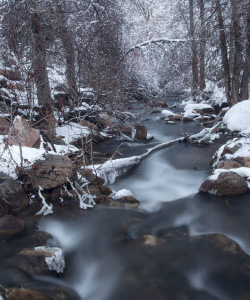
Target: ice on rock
55, 262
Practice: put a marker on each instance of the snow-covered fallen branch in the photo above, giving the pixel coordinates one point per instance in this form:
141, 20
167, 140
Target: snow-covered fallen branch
113, 168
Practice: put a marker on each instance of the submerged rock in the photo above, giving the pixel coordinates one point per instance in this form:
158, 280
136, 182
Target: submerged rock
11, 226
225, 184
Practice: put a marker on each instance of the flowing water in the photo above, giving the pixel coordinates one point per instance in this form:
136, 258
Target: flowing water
106, 250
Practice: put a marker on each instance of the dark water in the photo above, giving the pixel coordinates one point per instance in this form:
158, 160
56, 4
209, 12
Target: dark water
107, 256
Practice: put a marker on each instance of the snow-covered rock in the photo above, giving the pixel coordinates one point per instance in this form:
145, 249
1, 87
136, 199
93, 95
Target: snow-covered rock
166, 113
193, 110
122, 193
54, 258
237, 118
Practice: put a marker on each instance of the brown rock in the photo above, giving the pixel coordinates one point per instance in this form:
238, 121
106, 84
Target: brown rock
88, 124
205, 111
12, 192
128, 202
4, 126
227, 184
34, 261
243, 161
160, 104
104, 120
11, 226
52, 172
228, 165
99, 191
22, 134
23, 294
175, 117
127, 130
141, 132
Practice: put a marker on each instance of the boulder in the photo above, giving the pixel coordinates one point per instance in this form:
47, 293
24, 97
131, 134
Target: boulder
11, 226
243, 161
205, 110
4, 126
128, 202
22, 134
52, 172
162, 104
38, 261
228, 165
127, 130
12, 192
104, 120
88, 124
99, 190
141, 132
23, 294
226, 184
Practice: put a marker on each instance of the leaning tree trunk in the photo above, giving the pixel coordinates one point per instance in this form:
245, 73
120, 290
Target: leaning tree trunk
193, 49
46, 121
237, 61
224, 52
244, 92
202, 46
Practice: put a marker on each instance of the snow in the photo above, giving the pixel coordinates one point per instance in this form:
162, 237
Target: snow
166, 113
122, 193
243, 172
237, 118
55, 262
72, 132
191, 107
10, 157
243, 151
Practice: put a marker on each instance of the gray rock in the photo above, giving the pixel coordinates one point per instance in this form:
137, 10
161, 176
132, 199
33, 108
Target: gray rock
227, 184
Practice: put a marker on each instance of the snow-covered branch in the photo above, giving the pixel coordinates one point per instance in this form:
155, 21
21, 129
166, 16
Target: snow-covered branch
156, 41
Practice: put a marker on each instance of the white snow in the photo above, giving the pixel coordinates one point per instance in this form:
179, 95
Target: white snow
166, 113
72, 132
191, 107
11, 156
55, 262
237, 118
122, 193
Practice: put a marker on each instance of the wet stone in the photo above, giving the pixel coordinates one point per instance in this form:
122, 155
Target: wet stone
11, 226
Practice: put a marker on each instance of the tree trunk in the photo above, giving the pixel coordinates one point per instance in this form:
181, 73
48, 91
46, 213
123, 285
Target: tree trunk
237, 61
67, 43
193, 49
46, 119
224, 52
202, 46
244, 93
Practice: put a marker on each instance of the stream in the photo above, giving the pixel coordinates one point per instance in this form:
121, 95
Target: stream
110, 253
